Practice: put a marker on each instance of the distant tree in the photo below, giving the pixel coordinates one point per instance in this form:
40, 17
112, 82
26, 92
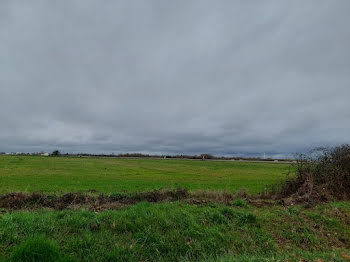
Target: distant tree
56, 153
206, 156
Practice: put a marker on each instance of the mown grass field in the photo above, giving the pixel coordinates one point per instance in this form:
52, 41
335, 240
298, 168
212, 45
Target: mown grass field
167, 231
62, 174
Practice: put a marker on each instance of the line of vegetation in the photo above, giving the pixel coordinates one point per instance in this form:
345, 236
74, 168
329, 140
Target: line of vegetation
99, 202
204, 156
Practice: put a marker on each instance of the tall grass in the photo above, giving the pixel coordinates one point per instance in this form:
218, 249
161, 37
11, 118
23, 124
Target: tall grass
175, 232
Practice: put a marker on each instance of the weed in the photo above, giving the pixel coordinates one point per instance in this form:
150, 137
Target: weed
240, 203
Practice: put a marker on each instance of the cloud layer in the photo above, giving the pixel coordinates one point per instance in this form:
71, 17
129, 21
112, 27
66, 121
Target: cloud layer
223, 77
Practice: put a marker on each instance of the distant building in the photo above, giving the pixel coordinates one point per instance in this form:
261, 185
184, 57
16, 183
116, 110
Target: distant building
44, 154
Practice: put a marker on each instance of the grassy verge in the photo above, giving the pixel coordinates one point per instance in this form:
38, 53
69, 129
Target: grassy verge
178, 231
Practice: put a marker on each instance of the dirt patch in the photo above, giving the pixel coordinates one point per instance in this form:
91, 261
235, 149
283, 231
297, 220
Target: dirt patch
262, 202
37, 200
15, 201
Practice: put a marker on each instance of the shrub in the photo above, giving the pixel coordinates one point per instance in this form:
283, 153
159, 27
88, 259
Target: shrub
322, 174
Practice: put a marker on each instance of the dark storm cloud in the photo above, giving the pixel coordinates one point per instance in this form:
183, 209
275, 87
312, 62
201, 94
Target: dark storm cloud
225, 77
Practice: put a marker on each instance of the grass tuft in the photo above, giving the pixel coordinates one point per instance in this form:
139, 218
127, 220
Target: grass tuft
38, 249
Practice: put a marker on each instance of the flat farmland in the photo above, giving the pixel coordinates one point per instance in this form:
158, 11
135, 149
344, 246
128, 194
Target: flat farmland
114, 226
108, 175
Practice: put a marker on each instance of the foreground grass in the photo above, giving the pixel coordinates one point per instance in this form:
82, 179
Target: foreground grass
182, 232
63, 174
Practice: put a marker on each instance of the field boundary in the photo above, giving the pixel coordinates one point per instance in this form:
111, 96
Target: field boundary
101, 202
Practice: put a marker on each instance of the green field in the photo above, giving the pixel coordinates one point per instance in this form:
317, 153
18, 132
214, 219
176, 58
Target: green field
238, 230
62, 174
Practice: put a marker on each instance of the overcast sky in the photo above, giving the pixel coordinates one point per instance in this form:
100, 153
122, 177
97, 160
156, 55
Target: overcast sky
222, 77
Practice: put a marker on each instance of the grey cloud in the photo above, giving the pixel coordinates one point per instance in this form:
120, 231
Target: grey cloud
230, 77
